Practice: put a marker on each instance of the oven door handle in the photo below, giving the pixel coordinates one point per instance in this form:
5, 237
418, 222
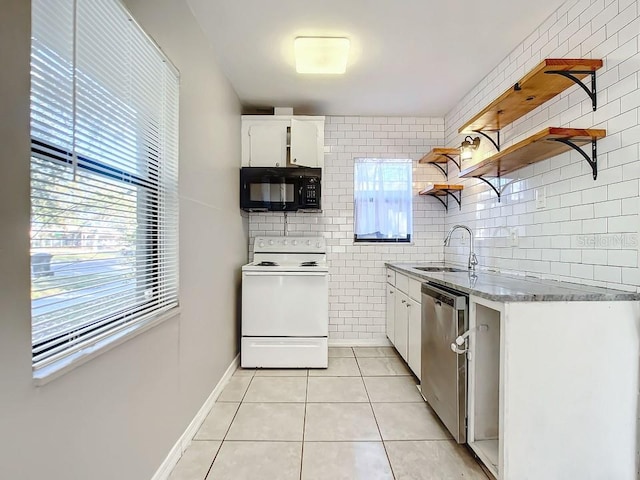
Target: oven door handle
284, 274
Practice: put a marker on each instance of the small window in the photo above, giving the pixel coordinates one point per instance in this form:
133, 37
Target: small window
382, 200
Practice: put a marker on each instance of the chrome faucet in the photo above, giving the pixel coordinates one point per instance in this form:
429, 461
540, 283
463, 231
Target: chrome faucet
473, 260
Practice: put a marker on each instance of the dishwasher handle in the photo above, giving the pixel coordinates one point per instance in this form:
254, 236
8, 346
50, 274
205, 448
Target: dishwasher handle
456, 300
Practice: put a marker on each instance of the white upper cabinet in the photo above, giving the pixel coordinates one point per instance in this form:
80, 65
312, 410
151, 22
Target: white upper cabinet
282, 141
267, 145
307, 143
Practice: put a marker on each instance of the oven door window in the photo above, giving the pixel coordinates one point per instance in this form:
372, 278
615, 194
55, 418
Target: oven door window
272, 192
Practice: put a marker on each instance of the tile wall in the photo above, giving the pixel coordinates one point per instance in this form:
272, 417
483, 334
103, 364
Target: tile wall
357, 280
588, 231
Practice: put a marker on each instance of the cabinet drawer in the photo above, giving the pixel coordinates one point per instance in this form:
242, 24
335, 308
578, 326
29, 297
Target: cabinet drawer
402, 282
415, 290
391, 276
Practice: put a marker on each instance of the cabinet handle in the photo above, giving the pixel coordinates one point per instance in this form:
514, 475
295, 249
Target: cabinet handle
404, 301
408, 305
277, 164
391, 292
294, 160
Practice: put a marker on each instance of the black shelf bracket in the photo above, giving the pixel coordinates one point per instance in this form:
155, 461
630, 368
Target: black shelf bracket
457, 164
495, 144
445, 170
571, 75
593, 161
458, 199
497, 190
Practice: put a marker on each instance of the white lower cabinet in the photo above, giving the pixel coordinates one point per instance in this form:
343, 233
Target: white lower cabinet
401, 327
391, 312
403, 318
553, 388
414, 345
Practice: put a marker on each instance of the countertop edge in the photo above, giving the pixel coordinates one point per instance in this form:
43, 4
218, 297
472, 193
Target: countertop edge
589, 293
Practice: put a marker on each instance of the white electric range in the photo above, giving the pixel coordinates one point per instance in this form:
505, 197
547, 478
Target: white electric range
285, 304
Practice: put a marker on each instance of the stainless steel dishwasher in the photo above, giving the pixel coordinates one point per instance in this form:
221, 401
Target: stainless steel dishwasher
444, 371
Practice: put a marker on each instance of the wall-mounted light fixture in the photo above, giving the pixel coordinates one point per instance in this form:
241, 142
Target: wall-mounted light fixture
321, 55
468, 146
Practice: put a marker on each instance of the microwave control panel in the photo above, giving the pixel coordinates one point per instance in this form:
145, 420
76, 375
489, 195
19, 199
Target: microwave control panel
312, 192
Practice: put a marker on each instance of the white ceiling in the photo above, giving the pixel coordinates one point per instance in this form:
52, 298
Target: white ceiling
408, 57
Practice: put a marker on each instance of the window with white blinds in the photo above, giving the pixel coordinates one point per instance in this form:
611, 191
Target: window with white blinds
104, 176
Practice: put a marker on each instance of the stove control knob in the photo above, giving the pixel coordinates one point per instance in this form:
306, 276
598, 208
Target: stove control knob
261, 244
270, 242
284, 242
295, 242
308, 242
317, 244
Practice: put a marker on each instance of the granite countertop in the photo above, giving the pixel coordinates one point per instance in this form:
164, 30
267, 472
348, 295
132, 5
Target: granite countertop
503, 287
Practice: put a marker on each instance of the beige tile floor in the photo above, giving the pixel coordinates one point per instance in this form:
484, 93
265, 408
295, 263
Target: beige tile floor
360, 419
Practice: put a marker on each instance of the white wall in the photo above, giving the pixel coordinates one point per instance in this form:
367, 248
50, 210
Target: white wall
357, 280
588, 232
118, 415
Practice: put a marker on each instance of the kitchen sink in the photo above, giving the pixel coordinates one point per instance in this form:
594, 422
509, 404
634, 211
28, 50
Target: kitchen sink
441, 269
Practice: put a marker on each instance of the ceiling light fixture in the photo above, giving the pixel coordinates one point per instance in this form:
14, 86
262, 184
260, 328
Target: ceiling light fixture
468, 146
321, 55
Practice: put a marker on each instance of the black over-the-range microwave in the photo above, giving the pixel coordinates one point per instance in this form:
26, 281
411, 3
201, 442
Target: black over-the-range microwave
280, 189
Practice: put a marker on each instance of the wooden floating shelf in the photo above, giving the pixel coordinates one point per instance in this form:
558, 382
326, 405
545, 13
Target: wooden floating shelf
445, 190
439, 155
544, 82
440, 189
541, 146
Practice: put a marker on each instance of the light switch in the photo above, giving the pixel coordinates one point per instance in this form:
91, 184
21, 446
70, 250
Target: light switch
513, 237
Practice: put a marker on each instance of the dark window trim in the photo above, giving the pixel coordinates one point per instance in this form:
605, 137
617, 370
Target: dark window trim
406, 239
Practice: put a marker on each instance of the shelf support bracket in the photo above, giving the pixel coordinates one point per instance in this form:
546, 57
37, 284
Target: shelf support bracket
458, 200
571, 75
457, 164
445, 170
495, 144
593, 161
444, 204
498, 193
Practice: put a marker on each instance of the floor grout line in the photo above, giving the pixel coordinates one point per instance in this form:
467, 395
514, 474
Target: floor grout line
375, 419
304, 423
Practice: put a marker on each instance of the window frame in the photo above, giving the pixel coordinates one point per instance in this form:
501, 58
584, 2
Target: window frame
394, 240
154, 293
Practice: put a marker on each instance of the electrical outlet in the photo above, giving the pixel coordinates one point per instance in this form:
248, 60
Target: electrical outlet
541, 197
464, 239
513, 237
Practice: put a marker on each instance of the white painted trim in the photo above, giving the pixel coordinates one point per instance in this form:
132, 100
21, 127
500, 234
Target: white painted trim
359, 342
185, 439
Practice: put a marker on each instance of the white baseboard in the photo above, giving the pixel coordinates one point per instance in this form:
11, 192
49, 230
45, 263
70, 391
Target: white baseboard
184, 441
357, 342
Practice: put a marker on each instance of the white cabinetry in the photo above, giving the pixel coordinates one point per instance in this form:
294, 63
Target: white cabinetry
414, 345
404, 317
553, 388
282, 140
391, 309
401, 329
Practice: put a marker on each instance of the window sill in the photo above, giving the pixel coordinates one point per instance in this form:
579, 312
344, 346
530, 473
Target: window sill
46, 374
384, 244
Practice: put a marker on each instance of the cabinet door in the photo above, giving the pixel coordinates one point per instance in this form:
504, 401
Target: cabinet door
391, 312
401, 327
305, 149
414, 334
268, 145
